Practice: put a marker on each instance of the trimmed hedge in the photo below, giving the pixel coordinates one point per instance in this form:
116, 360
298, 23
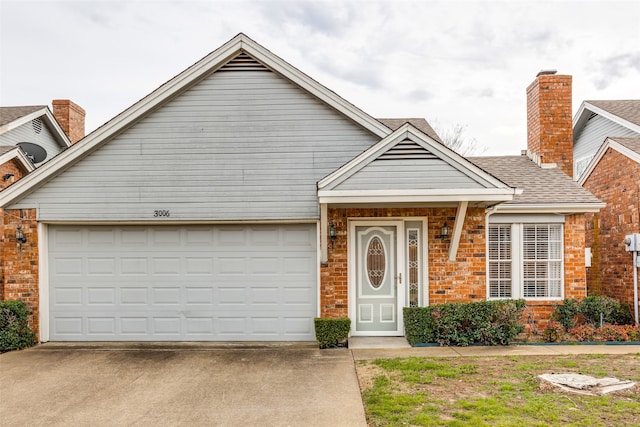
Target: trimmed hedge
331, 331
14, 329
495, 322
574, 312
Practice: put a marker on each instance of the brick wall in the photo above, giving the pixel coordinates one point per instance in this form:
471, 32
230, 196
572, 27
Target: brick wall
615, 181
549, 120
20, 261
461, 281
12, 167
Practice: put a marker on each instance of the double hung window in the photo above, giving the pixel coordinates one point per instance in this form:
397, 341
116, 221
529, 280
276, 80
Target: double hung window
525, 260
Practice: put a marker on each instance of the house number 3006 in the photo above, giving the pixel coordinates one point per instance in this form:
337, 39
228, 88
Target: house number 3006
161, 213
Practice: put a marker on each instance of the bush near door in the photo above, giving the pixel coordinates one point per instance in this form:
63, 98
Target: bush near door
331, 331
484, 322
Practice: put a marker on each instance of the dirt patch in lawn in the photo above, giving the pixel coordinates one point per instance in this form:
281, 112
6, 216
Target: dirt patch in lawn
495, 391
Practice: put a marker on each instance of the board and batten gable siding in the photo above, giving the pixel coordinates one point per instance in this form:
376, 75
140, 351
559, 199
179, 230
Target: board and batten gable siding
592, 136
27, 133
238, 145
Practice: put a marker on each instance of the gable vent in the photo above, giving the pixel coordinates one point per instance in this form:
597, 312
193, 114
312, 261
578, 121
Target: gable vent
407, 150
243, 62
37, 125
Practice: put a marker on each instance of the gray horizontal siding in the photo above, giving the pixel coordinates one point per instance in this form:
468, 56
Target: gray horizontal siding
399, 174
26, 133
236, 146
592, 137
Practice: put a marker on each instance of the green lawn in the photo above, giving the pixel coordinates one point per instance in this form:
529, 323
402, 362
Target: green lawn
495, 391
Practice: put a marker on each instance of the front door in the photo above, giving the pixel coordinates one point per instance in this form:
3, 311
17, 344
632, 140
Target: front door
378, 279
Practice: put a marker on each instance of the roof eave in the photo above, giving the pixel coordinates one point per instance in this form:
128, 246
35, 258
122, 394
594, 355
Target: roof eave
559, 208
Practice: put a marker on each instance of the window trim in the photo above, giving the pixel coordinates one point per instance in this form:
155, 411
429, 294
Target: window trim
517, 260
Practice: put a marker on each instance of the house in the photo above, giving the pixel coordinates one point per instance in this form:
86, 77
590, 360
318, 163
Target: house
242, 198
32, 135
607, 139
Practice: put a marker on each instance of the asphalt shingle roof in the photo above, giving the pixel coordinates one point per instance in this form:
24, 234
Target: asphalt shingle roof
10, 114
419, 123
628, 109
540, 186
631, 143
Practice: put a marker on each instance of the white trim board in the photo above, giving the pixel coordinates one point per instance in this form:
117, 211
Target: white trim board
608, 143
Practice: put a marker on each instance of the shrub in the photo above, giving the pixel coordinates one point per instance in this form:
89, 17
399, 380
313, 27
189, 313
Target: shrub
330, 332
589, 310
485, 322
612, 333
553, 332
633, 332
14, 329
583, 333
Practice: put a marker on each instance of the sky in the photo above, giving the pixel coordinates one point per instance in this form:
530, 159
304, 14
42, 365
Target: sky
454, 63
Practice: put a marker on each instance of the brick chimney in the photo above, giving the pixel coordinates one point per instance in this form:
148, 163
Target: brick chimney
70, 116
549, 120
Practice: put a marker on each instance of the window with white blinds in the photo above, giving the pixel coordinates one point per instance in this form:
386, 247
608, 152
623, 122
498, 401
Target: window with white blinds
500, 261
525, 261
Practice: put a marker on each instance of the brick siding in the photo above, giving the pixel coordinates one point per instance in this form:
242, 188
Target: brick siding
463, 280
11, 167
616, 181
20, 261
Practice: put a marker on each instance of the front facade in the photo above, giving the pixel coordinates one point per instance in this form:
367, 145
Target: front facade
242, 199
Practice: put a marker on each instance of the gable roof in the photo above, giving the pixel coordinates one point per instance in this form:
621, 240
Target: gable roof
14, 152
13, 117
418, 123
542, 189
240, 44
408, 147
623, 112
629, 147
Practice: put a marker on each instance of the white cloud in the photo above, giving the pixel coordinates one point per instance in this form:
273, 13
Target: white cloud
464, 63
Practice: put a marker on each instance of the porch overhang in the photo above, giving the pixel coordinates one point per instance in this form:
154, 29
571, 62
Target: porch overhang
460, 198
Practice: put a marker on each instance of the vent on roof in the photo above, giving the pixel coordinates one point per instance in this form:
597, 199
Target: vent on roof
37, 125
243, 62
407, 150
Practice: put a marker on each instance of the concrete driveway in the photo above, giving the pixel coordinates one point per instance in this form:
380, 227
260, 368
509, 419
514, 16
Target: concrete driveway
179, 384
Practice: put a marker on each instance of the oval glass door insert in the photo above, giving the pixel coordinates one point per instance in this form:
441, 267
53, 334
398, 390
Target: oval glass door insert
376, 262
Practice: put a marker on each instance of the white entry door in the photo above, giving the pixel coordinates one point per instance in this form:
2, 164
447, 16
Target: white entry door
377, 277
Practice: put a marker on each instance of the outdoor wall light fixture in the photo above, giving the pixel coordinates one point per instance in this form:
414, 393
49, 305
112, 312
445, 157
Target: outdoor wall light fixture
333, 233
20, 237
444, 231
9, 176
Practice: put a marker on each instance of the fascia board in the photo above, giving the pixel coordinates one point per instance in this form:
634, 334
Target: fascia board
568, 208
410, 196
22, 120
54, 123
616, 119
580, 119
457, 161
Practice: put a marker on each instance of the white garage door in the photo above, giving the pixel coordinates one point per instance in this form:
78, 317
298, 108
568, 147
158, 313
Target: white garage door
182, 283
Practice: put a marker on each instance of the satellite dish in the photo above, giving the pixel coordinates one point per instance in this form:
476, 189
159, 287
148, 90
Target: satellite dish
35, 152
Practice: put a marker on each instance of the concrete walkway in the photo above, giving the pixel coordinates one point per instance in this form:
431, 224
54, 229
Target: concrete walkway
369, 348
194, 384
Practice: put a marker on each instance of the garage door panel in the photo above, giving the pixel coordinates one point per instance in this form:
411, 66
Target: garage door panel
212, 283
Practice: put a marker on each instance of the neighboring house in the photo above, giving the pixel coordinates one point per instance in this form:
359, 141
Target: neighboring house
241, 199
607, 133
31, 136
